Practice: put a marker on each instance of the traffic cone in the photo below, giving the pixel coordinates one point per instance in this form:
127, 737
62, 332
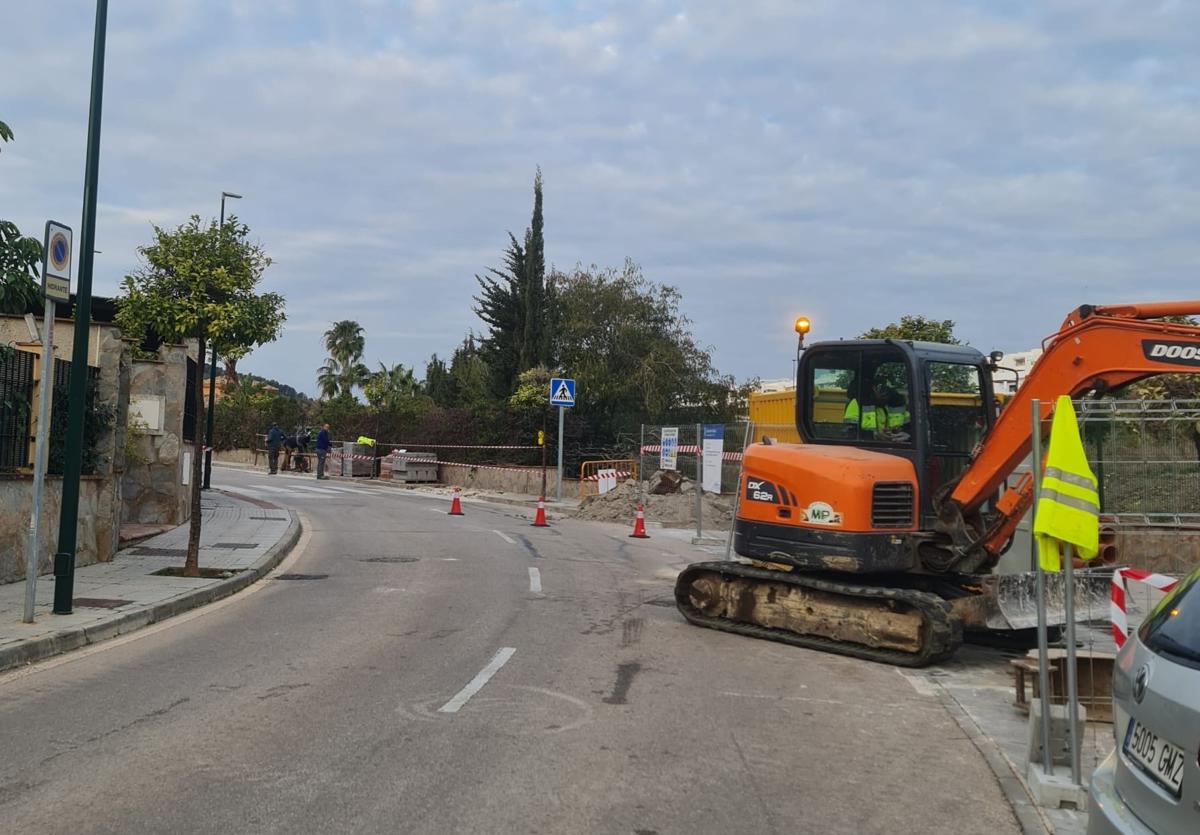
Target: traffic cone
456, 504
639, 525
539, 520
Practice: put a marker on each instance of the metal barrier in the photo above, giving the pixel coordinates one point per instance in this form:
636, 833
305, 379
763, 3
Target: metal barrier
589, 473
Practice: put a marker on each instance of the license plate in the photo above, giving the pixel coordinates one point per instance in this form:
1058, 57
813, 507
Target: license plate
1157, 757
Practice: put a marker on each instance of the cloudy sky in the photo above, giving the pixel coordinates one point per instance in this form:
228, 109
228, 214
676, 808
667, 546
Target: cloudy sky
994, 163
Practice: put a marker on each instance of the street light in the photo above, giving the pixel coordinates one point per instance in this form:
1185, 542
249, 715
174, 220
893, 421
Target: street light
212, 374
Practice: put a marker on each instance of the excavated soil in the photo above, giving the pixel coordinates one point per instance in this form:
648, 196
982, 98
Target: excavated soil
677, 510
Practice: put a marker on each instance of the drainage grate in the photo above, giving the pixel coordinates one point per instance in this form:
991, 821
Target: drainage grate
232, 545
99, 603
269, 518
301, 576
160, 552
389, 559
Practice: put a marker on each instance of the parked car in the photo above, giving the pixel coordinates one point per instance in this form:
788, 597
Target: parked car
1150, 784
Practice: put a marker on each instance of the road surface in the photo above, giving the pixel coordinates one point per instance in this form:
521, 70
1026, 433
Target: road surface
472, 674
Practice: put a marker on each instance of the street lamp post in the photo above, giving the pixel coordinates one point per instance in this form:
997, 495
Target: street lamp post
68, 521
212, 374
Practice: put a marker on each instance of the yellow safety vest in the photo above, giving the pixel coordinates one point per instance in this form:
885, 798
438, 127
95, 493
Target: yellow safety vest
363, 440
875, 417
1068, 508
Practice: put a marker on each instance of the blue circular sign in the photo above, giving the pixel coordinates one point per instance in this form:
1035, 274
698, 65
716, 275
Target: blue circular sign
60, 251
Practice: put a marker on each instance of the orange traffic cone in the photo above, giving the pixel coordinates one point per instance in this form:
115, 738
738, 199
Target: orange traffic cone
639, 525
539, 520
456, 504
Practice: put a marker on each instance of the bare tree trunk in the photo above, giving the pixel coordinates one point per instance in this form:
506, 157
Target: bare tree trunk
191, 566
231, 372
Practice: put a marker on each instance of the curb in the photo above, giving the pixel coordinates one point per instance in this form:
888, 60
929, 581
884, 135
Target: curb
66, 640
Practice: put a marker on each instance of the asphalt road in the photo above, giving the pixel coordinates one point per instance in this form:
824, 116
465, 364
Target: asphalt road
360, 700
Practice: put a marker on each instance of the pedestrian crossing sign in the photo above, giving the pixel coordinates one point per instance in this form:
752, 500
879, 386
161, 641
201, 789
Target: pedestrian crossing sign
562, 392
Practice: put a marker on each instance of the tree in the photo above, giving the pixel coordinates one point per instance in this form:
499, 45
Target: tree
387, 387
343, 369
917, 329
631, 348
19, 259
439, 385
514, 302
469, 375
199, 282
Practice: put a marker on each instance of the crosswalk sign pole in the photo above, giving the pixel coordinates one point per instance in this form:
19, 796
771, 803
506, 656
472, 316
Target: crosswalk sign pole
558, 486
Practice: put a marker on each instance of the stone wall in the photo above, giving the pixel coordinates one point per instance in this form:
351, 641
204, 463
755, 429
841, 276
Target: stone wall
526, 480
99, 520
152, 487
98, 532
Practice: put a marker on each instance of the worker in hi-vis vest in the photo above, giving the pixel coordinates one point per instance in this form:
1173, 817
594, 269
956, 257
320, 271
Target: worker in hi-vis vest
885, 418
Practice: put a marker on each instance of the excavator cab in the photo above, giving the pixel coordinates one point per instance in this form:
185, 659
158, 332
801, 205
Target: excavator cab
928, 403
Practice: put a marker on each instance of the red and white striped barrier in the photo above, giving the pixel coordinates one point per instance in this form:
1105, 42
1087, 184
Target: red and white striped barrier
614, 473
1120, 624
691, 450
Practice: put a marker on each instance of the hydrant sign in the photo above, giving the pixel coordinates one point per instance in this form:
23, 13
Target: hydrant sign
669, 452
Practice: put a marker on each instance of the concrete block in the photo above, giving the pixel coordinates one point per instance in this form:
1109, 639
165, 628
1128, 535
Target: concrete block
1059, 731
1055, 790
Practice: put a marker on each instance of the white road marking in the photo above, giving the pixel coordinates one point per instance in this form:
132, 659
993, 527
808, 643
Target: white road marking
535, 580
449, 559
476, 684
505, 537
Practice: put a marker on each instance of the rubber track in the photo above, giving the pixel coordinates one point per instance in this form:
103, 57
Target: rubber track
942, 632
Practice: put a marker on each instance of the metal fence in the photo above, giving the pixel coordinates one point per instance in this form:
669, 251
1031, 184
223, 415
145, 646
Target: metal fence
16, 395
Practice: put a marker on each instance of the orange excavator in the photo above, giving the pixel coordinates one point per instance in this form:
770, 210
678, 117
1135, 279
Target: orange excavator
878, 535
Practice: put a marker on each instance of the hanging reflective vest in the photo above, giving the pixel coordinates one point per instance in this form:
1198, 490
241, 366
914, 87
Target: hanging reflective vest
1068, 508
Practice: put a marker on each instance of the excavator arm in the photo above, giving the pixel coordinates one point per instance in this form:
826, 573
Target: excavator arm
1096, 348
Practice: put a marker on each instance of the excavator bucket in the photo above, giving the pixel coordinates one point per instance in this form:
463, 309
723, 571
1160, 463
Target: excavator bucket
1008, 602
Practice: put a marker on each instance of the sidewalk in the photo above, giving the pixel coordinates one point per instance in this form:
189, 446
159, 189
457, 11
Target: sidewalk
243, 538
976, 687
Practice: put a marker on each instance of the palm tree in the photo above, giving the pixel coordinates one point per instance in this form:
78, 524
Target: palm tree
343, 370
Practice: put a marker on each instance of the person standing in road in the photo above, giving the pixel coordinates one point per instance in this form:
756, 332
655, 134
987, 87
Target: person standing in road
324, 444
274, 445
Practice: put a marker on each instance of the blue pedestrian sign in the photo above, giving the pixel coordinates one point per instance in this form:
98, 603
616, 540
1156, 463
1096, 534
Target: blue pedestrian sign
562, 392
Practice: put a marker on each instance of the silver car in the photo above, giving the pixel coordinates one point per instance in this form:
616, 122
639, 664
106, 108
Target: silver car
1150, 784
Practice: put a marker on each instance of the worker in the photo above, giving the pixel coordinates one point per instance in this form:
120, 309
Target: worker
886, 418
274, 445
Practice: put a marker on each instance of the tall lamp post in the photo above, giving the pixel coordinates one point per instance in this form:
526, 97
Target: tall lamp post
212, 375
68, 521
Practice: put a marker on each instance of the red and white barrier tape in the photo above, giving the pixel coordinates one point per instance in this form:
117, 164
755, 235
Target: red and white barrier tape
466, 446
1120, 624
341, 455
692, 450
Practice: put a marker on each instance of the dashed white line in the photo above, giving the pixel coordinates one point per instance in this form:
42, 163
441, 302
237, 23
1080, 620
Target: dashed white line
476, 684
535, 580
505, 537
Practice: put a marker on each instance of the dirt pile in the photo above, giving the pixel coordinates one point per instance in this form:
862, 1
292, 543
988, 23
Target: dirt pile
673, 510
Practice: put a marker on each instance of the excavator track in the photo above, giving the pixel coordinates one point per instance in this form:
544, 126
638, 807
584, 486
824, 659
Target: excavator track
899, 626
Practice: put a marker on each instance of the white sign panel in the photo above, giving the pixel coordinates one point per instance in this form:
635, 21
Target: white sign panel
56, 262
668, 459
608, 481
714, 451
146, 412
